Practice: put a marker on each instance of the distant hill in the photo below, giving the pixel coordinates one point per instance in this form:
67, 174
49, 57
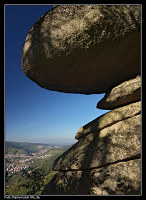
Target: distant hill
27, 148
23, 147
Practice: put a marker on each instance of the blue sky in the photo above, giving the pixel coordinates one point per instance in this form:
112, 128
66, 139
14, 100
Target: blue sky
34, 114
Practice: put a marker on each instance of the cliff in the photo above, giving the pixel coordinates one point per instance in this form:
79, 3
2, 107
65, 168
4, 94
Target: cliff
93, 49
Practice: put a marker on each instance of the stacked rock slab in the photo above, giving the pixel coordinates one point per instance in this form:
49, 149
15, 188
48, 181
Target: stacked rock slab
92, 49
106, 159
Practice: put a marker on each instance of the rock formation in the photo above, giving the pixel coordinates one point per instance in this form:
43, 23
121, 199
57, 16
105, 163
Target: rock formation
83, 49
93, 49
106, 159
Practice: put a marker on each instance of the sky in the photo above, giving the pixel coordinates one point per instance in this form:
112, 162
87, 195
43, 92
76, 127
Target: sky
34, 114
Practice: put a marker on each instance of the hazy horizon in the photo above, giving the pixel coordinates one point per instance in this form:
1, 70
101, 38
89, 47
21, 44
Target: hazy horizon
47, 143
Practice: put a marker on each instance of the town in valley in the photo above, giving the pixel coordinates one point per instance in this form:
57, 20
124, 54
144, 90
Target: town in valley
15, 162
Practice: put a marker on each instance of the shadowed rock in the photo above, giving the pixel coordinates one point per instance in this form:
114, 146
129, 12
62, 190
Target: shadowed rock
83, 49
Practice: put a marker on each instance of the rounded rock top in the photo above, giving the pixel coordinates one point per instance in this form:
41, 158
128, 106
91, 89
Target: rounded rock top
84, 49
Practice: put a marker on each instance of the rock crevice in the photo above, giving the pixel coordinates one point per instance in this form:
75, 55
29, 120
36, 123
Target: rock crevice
105, 165
122, 178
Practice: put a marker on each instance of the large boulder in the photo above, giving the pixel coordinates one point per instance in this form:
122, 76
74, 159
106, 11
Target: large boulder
83, 49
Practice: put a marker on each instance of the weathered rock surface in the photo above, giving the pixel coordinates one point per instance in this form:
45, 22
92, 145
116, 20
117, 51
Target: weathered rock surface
122, 178
119, 141
109, 118
84, 49
123, 94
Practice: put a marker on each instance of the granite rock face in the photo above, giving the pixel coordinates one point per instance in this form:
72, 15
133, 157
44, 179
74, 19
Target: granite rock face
83, 48
122, 178
123, 94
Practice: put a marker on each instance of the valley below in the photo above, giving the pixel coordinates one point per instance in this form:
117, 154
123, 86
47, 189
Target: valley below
28, 166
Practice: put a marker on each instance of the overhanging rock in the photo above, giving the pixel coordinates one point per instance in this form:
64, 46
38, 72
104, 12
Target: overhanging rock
83, 49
